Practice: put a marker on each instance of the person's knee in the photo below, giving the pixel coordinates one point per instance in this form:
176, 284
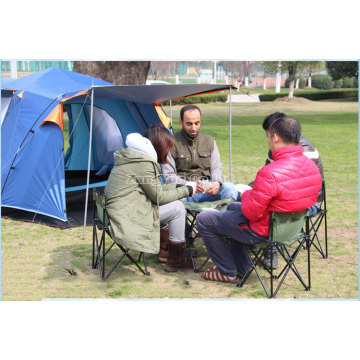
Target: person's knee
179, 208
228, 190
200, 221
236, 205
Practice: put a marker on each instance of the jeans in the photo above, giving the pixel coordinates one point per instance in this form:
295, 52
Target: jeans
313, 211
227, 190
214, 226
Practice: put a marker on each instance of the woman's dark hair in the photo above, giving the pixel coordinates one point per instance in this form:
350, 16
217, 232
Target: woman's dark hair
162, 140
287, 128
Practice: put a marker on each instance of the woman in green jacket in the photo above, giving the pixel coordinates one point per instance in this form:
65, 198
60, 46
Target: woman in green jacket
138, 204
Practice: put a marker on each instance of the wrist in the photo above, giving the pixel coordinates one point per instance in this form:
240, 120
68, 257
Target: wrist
190, 188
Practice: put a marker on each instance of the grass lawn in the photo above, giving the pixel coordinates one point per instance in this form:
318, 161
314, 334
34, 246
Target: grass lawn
34, 257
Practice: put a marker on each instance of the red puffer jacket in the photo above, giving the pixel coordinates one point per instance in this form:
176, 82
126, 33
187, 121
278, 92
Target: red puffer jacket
289, 184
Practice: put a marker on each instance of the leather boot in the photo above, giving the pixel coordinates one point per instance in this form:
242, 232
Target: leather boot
164, 238
177, 259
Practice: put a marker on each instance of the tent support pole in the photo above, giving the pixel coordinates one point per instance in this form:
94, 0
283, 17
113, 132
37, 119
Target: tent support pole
230, 147
89, 160
171, 114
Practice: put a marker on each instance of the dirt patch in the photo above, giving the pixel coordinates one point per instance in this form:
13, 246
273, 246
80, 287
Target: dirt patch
295, 99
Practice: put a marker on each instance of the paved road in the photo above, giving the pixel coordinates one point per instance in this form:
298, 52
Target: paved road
244, 98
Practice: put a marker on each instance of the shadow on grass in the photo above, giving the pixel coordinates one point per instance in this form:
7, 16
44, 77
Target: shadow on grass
72, 262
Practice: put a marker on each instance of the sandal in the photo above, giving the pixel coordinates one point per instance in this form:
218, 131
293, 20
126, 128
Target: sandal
213, 274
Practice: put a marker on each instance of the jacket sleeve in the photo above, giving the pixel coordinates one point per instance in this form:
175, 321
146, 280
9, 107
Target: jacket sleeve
158, 193
255, 202
170, 173
216, 166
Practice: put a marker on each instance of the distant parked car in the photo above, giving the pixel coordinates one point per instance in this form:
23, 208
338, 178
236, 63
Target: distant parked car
156, 82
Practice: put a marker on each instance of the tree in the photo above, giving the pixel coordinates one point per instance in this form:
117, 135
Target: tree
340, 69
291, 68
269, 68
247, 67
312, 66
163, 68
116, 72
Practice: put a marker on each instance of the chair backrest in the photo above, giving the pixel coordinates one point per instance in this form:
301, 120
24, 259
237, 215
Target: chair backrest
286, 228
100, 203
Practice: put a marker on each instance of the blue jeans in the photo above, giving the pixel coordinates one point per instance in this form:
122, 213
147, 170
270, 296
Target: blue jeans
313, 211
227, 190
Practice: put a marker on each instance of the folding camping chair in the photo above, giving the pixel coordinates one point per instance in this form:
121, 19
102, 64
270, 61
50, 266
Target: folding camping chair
314, 225
285, 231
101, 222
193, 209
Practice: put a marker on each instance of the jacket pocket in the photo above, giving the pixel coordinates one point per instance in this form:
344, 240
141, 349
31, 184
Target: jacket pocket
182, 161
204, 159
140, 211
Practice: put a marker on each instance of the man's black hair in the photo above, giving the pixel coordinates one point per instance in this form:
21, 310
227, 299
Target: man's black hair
186, 108
287, 128
270, 119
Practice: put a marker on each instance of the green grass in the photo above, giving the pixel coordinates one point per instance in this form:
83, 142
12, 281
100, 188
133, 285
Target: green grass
34, 257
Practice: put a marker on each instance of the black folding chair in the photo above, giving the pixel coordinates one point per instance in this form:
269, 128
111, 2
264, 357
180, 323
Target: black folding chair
286, 230
101, 223
314, 225
193, 209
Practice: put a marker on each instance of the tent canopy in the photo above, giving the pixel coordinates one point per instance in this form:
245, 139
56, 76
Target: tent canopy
35, 170
152, 94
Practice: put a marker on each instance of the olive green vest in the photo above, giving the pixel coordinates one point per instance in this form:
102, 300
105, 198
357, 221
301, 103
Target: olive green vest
192, 155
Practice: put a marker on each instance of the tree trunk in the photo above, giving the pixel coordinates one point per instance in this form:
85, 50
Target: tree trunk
246, 81
116, 72
292, 73
291, 89
264, 83
309, 81
297, 83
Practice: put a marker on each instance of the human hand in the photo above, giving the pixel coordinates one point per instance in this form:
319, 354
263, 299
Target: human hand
200, 188
213, 188
194, 191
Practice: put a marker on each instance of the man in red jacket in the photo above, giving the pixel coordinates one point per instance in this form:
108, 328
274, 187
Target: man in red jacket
289, 184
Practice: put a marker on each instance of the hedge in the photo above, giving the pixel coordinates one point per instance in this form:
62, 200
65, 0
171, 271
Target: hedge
199, 99
322, 81
315, 95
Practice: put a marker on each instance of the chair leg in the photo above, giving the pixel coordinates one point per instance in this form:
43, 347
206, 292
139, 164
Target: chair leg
202, 264
145, 266
326, 243
290, 264
188, 243
126, 253
307, 236
315, 227
93, 247
103, 258
253, 263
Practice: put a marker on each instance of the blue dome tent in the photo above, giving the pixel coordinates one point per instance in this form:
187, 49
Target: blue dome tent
36, 175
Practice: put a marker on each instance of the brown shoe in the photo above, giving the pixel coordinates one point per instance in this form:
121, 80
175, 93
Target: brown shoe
177, 259
164, 238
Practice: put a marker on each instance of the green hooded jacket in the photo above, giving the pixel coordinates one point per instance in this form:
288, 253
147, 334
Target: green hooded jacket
133, 196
